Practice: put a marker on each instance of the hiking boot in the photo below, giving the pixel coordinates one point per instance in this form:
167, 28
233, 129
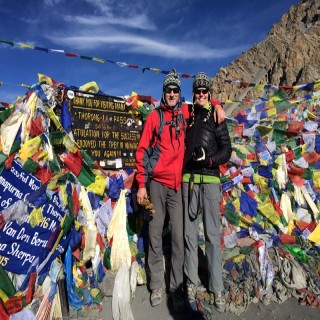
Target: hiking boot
155, 298
193, 291
219, 302
210, 298
178, 302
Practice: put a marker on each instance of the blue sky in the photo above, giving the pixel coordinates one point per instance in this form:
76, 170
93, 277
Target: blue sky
188, 35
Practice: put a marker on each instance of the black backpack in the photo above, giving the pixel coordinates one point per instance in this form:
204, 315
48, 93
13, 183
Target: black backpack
162, 123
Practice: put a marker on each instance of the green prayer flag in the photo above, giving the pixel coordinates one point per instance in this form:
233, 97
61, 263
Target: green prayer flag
30, 166
54, 165
6, 284
297, 153
86, 176
232, 217
86, 58
279, 136
56, 138
3, 157
87, 159
11, 43
4, 115
280, 125
308, 175
107, 257
15, 146
246, 250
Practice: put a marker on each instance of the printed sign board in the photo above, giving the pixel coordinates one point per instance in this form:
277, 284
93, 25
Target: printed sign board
102, 126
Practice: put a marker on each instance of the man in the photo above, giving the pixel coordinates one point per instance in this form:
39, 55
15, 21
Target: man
159, 160
208, 145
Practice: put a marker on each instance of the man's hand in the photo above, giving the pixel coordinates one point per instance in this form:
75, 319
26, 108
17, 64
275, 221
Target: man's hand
218, 114
141, 195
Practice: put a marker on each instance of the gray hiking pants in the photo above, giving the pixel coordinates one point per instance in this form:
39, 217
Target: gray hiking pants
206, 197
165, 200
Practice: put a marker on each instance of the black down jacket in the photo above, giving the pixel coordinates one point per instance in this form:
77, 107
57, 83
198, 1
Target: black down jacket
212, 137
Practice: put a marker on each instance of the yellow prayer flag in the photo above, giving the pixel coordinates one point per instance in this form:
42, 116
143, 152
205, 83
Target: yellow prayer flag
54, 118
24, 45
269, 103
35, 217
263, 162
44, 78
43, 155
25, 85
64, 196
69, 143
94, 292
98, 185
77, 225
244, 222
316, 178
53, 183
90, 87
311, 116
236, 204
315, 235
316, 86
99, 60
29, 148
275, 98
290, 227
156, 71
272, 112
267, 210
238, 258
260, 87
3, 296
79, 281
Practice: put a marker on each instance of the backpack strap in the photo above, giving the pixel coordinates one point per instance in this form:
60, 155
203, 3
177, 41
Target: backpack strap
162, 123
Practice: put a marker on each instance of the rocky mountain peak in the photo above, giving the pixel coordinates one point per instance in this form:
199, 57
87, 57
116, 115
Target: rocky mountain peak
289, 55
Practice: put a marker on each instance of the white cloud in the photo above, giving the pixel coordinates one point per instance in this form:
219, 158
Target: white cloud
137, 44
139, 21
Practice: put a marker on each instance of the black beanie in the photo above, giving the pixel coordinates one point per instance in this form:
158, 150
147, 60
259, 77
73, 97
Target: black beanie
201, 80
172, 79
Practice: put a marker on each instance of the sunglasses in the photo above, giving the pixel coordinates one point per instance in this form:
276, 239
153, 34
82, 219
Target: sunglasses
168, 90
203, 91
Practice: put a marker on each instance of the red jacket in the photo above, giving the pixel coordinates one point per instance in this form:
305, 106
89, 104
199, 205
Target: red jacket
161, 157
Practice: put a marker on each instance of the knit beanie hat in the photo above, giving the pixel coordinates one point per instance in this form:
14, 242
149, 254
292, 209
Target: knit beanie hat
201, 80
172, 79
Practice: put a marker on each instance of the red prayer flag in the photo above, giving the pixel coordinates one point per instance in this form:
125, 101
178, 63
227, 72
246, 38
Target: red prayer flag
72, 55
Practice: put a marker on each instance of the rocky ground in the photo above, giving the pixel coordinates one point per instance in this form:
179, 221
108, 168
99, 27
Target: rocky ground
142, 310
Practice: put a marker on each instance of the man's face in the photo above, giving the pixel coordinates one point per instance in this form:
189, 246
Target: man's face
202, 95
172, 95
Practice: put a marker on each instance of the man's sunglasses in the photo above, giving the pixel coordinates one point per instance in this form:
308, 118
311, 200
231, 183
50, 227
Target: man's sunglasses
204, 91
168, 90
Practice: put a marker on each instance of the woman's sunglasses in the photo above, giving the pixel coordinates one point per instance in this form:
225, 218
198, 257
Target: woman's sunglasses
175, 90
204, 91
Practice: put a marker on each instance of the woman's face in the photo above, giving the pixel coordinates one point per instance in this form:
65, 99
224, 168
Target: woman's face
201, 95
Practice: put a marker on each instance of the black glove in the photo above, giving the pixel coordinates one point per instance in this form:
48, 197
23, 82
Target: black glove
200, 155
